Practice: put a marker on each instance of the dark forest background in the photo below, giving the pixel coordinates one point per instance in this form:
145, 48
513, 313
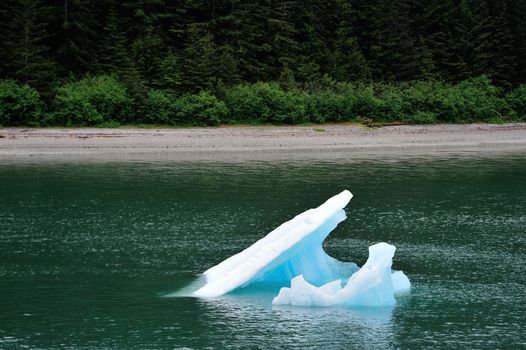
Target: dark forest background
154, 55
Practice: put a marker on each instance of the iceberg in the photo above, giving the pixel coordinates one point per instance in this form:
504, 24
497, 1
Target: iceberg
292, 258
373, 285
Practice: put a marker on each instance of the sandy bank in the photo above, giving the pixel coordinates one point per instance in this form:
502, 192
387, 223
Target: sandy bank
256, 142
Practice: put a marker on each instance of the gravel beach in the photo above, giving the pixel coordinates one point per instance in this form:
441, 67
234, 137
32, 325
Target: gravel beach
262, 142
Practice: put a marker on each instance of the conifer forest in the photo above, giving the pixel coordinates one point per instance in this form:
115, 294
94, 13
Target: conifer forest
210, 62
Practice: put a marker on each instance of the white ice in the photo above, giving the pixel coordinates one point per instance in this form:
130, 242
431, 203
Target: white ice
292, 255
373, 285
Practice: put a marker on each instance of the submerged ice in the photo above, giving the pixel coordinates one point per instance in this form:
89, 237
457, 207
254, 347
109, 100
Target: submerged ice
292, 257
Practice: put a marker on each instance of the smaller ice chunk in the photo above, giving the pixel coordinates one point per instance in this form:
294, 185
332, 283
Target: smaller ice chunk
400, 282
373, 285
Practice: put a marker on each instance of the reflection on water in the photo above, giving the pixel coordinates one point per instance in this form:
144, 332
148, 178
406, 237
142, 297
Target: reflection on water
302, 326
88, 252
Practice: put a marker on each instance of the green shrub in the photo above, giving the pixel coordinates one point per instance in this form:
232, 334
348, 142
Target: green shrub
472, 100
360, 101
99, 100
295, 111
389, 104
200, 109
91, 101
331, 106
19, 104
516, 100
160, 108
266, 103
319, 107
424, 101
431, 101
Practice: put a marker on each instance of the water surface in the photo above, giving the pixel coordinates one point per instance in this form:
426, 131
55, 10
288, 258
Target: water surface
88, 252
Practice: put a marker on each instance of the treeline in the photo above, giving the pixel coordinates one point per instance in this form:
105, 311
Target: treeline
104, 101
177, 51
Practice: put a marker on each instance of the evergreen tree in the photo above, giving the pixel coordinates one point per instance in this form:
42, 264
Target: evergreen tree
314, 35
386, 39
500, 50
170, 76
479, 48
286, 79
347, 61
25, 55
187, 46
144, 25
199, 59
424, 67
114, 55
138, 92
147, 54
424, 64
250, 41
439, 37
76, 49
516, 14
5, 33
227, 68
281, 35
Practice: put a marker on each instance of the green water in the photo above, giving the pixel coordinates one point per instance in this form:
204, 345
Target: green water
89, 251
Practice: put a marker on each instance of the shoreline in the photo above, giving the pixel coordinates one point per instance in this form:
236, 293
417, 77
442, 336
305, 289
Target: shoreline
258, 142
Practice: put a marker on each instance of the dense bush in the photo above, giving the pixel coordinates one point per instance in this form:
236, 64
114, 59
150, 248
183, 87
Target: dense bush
91, 101
420, 102
266, 103
423, 101
19, 104
103, 100
160, 108
324, 107
429, 102
200, 109
389, 103
516, 100
473, 100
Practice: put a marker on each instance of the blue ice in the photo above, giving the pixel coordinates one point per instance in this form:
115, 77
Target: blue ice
292, 257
